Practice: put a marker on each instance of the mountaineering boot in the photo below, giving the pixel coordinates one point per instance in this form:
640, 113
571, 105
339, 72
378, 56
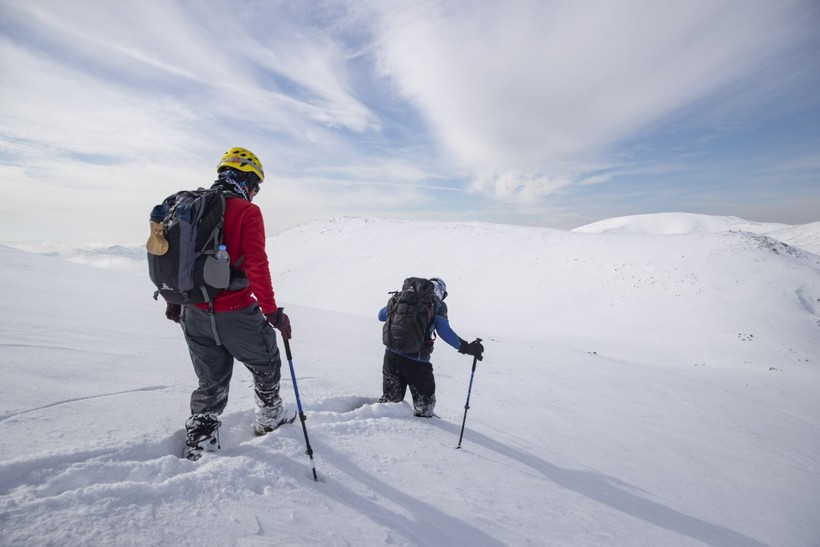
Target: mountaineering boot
423, 406
270, 412
202, 434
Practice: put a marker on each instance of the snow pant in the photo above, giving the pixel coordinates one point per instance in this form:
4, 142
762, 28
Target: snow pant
399, 372
245, 335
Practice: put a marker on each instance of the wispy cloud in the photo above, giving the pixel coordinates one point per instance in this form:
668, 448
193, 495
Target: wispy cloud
517, 88
513, 106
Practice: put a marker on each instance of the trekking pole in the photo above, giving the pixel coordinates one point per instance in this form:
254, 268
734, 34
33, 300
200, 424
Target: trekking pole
302, 417
467, 404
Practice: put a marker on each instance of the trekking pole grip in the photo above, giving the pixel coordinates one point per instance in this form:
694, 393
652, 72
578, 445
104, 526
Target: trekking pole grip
287, 343
287, 349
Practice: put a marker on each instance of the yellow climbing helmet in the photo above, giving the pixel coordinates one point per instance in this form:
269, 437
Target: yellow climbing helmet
242, 159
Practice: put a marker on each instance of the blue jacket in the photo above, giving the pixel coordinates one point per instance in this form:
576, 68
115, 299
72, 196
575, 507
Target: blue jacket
441, 326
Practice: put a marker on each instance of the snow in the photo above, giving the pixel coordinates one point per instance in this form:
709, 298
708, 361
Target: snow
676, 223
804, 236
638, 389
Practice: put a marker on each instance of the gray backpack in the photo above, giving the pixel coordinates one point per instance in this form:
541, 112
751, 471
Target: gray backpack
186, 270
410, 314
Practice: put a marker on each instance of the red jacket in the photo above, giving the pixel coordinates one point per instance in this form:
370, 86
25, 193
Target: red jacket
244, 235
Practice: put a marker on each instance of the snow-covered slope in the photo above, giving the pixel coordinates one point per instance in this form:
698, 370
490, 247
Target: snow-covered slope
804, 236
669, 296
637, 390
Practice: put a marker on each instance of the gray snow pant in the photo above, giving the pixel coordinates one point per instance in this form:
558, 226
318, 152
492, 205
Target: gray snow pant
246, 336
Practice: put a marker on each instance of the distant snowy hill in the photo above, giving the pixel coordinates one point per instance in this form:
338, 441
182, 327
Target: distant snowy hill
675, 223
114, 257
637, 390
805, 236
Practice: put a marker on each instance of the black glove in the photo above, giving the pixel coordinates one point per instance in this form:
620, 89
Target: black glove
472, 348
173, 312
281, 321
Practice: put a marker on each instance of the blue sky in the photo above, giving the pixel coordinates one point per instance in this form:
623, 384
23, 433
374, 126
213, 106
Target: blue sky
546, 113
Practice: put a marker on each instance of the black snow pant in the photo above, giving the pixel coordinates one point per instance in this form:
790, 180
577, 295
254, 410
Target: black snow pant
245, 335
399, 372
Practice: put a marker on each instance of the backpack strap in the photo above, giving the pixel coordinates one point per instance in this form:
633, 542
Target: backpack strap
213, 238
211, 315
431, 330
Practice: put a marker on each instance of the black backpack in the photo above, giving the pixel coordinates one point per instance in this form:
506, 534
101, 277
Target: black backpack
186, 269
410, 314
